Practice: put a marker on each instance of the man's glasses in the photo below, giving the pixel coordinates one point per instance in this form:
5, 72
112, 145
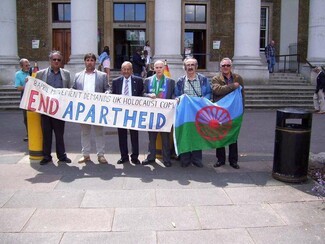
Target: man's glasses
225, 65
56, 59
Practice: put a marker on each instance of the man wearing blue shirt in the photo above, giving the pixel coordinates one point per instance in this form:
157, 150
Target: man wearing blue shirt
20, 82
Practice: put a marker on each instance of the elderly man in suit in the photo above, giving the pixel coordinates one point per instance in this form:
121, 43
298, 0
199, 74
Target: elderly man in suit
128, 85
91, 80
56, 77
159, 86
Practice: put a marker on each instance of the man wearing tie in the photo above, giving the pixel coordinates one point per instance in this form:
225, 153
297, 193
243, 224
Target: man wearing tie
128, 85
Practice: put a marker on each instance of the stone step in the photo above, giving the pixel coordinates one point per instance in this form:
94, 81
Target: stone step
286, 83
9, 97
277, 97
277, 106
277, 100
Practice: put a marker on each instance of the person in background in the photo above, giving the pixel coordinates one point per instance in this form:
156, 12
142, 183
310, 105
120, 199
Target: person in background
319, 98
222, 84
128, 85
20, 82
56, 77
270, 56
159, 86
151, 70
148, 49
147, 64
91, 80
138, 63
196, 85
105, 61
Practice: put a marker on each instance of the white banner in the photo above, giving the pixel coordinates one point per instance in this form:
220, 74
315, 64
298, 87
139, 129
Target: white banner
136, 113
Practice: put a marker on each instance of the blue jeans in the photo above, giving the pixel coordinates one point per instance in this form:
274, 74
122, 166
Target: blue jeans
270, 64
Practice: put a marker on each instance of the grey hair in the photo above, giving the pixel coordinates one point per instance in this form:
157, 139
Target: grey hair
225, 59
55, 52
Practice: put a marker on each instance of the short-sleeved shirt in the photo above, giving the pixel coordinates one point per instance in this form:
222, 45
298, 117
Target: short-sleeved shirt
20, 78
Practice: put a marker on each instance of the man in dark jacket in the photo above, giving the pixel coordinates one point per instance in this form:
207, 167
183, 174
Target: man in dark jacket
138, 63
319, 101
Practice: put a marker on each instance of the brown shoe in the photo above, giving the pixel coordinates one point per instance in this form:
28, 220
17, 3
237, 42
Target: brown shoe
321, 112
84, 159
102, 160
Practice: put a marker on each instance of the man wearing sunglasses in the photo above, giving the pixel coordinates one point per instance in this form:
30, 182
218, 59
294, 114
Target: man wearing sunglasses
56, 77
222, 84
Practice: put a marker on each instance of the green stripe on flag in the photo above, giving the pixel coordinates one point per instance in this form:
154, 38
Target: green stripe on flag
189, 139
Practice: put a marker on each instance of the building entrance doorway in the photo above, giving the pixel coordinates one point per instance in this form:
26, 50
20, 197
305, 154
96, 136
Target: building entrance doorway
62, 42
195, 46
126, 42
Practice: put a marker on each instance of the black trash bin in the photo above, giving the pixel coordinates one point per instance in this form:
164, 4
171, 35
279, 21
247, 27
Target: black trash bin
292, 143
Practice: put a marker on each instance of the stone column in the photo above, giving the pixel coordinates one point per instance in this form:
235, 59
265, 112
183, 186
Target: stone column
9, 44
316, 36
83, 32
168, 33
247, 60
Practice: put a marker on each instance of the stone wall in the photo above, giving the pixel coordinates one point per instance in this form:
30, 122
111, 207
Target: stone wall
32, 24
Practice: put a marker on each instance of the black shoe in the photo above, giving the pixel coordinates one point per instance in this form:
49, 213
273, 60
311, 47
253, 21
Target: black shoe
122, 160
199, 165
147, 161
25, 139
45, 161
218, 164
135, 161
65, 160
167, 164
234, 165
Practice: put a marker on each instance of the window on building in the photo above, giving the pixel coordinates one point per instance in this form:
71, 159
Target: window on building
61, 12
129, 12
195, 13
264, 29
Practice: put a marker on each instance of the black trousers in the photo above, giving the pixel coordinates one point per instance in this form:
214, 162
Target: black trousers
25, 120
123, 143
233, 153
50, 125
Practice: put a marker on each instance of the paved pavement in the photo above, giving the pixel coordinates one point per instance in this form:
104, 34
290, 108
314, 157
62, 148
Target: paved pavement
92, 203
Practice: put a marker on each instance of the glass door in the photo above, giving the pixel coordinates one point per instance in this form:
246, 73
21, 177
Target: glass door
126, 42
194, 45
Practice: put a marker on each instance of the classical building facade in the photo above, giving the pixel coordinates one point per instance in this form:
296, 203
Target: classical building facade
206, 29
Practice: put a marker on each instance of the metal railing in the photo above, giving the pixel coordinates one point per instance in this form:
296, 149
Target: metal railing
288, 63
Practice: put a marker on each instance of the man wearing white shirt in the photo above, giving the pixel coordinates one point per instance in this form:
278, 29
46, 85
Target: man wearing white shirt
91, 80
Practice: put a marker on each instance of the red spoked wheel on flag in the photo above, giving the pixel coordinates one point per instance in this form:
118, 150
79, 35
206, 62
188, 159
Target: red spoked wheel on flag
213, 123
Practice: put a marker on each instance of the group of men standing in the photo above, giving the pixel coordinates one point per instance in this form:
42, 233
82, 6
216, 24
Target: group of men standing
156, 86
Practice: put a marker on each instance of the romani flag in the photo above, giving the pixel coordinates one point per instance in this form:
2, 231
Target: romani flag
166, 70
201, 125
